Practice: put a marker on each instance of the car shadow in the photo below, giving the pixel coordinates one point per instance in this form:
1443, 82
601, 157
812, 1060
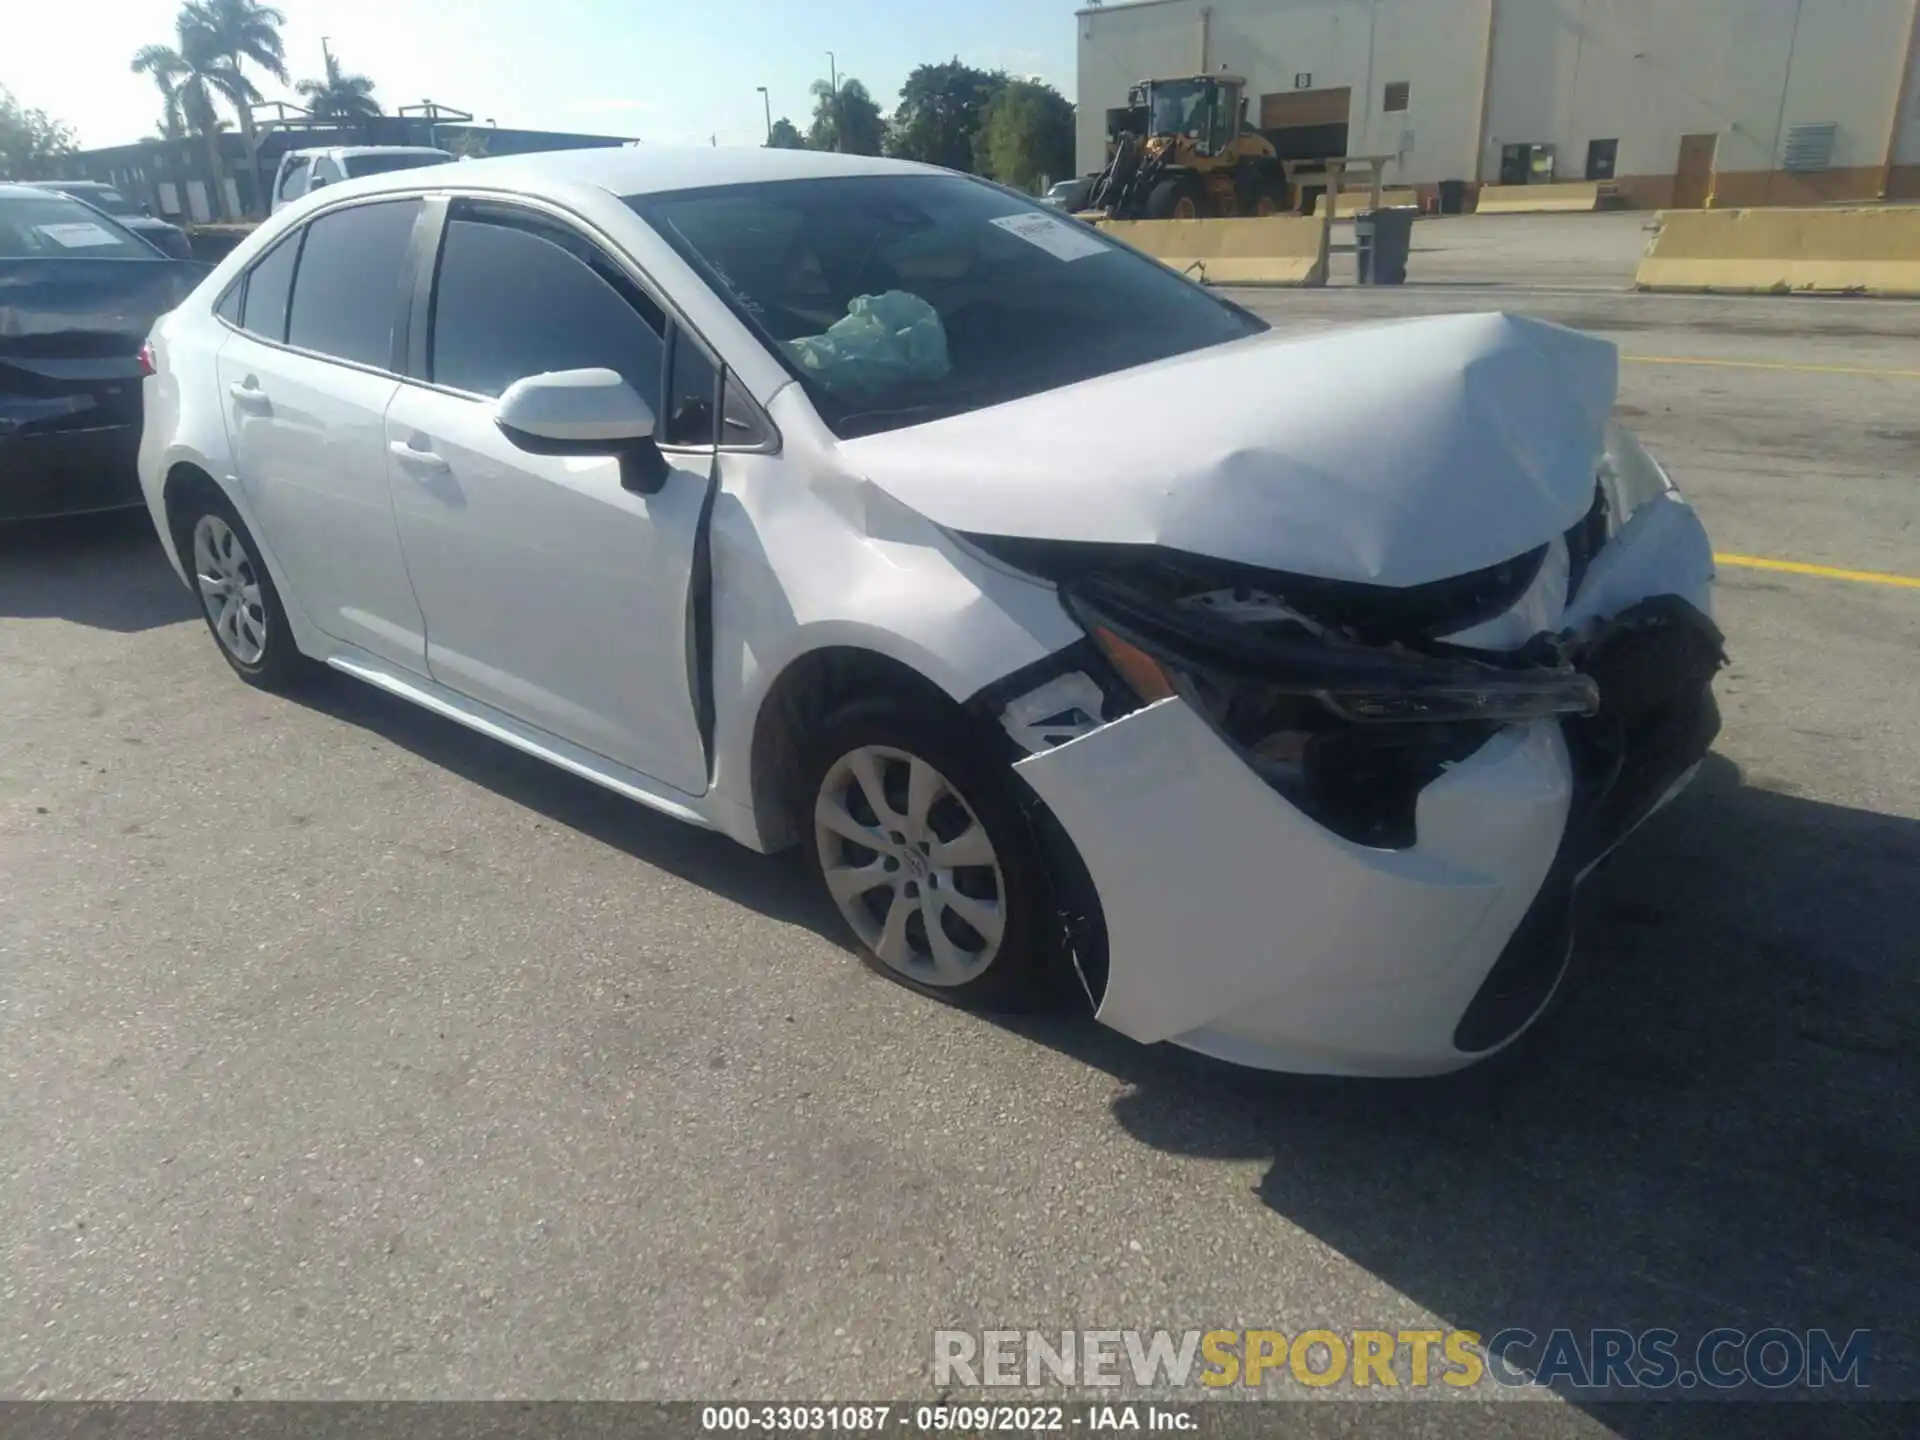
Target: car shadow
106, 571
775, 885
1720, 1128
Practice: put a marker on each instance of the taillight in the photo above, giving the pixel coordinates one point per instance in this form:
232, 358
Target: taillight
146, 358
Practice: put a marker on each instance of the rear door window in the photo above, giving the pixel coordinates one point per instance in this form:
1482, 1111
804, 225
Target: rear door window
264, 311
347, 292
520, 295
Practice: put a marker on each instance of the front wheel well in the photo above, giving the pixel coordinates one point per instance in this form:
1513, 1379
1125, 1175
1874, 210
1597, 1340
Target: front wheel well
805, 693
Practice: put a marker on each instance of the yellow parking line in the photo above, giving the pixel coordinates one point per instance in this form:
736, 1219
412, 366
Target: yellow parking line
1825, 572
1769, 365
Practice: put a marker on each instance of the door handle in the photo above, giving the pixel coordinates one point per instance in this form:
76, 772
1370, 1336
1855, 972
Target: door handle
249, 397
418, 459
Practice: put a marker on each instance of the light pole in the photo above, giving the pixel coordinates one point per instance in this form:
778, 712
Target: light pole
767, 100
833, 87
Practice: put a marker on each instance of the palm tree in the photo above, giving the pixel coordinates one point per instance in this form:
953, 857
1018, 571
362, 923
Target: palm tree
342, 97
191, 75
245, 30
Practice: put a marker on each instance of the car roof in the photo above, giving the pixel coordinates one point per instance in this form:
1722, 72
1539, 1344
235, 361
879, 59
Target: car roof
647, 169
347, 152
22, 187
70, 185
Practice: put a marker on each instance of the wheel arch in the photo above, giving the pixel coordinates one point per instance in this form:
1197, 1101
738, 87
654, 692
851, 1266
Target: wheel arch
183, 479
810, 686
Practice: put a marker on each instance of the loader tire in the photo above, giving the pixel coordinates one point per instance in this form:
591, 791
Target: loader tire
1175, 199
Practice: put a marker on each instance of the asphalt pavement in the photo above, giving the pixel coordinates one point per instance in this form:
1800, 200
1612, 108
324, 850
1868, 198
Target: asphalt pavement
347, 1054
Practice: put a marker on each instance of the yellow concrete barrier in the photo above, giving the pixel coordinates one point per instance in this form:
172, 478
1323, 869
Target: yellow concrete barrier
1571, 195
1267, 250
1835, 250
1352, 202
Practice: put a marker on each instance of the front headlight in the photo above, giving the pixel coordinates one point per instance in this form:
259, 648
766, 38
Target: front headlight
1350, 733
1628, 474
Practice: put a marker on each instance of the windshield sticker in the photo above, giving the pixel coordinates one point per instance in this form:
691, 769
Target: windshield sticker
78, 235
1059, 239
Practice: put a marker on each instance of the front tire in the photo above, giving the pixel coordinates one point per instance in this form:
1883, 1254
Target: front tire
916, 838
1175, 199
237, 597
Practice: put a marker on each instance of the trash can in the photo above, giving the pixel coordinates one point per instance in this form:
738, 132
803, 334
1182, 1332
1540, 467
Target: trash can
1453, 197
1381, 242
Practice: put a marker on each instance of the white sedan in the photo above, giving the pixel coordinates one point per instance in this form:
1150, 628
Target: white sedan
1280, 689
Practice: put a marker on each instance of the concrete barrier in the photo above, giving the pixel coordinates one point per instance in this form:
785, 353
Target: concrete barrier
1572, 195
1832, 250
1267, 250
1352, 202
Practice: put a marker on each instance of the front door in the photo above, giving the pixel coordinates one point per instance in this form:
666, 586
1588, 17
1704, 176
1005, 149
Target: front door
306, 386
1693, 171
550, 591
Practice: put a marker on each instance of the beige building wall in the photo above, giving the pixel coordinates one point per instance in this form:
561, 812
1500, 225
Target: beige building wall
1563, 73
1436, 46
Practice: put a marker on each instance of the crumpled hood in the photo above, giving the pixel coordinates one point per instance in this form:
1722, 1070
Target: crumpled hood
1392, 454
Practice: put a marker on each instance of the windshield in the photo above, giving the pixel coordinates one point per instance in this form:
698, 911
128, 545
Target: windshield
358, 165
900, 299
36, 227
111, 201
1180, 109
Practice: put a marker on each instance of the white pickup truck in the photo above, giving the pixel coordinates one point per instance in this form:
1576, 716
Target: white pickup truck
304, 170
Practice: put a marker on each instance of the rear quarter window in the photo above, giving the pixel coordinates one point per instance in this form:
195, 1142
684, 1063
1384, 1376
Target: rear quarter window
263, 309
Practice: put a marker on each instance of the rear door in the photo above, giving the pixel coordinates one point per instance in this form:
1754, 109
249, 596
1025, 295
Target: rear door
549, 590
306, 383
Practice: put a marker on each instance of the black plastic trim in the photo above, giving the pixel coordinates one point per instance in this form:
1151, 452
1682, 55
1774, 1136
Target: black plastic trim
1655, 663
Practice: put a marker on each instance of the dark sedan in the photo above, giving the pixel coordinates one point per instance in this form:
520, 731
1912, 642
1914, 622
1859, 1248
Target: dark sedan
167, 239
78, 294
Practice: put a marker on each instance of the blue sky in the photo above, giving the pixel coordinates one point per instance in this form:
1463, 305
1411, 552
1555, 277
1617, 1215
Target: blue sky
666, 71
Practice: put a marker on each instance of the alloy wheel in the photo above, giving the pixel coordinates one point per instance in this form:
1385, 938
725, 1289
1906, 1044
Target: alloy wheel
230, 589
911, 867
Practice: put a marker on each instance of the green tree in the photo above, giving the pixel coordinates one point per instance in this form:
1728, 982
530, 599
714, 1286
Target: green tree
32, 143
339, 96
192, 74
1027, 136
246, 31
784, 136
845, 120
941, 110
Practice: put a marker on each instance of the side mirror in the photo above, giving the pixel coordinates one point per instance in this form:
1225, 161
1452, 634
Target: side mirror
584, 412
316, 182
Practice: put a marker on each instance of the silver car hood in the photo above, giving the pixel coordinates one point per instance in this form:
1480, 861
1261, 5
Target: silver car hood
1392, 454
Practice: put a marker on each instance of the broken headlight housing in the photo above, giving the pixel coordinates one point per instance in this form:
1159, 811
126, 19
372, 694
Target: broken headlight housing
1350, 732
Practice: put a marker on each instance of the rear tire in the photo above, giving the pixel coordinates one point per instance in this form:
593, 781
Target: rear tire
237, 597
914, 834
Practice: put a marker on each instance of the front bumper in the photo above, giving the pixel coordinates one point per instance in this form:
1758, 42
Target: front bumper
68, 472
1237, 926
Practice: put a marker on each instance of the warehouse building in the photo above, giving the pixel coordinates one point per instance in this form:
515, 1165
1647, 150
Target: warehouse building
1675, 102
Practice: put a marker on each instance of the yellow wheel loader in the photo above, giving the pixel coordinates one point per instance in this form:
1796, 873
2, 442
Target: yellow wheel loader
1184, 151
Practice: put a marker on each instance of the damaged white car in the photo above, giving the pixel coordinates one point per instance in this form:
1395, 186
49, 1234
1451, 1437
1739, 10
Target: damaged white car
1281, 689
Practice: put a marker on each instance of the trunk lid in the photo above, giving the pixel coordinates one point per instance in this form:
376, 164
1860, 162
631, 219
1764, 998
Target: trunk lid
74, 309
70, 337
1393, 454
